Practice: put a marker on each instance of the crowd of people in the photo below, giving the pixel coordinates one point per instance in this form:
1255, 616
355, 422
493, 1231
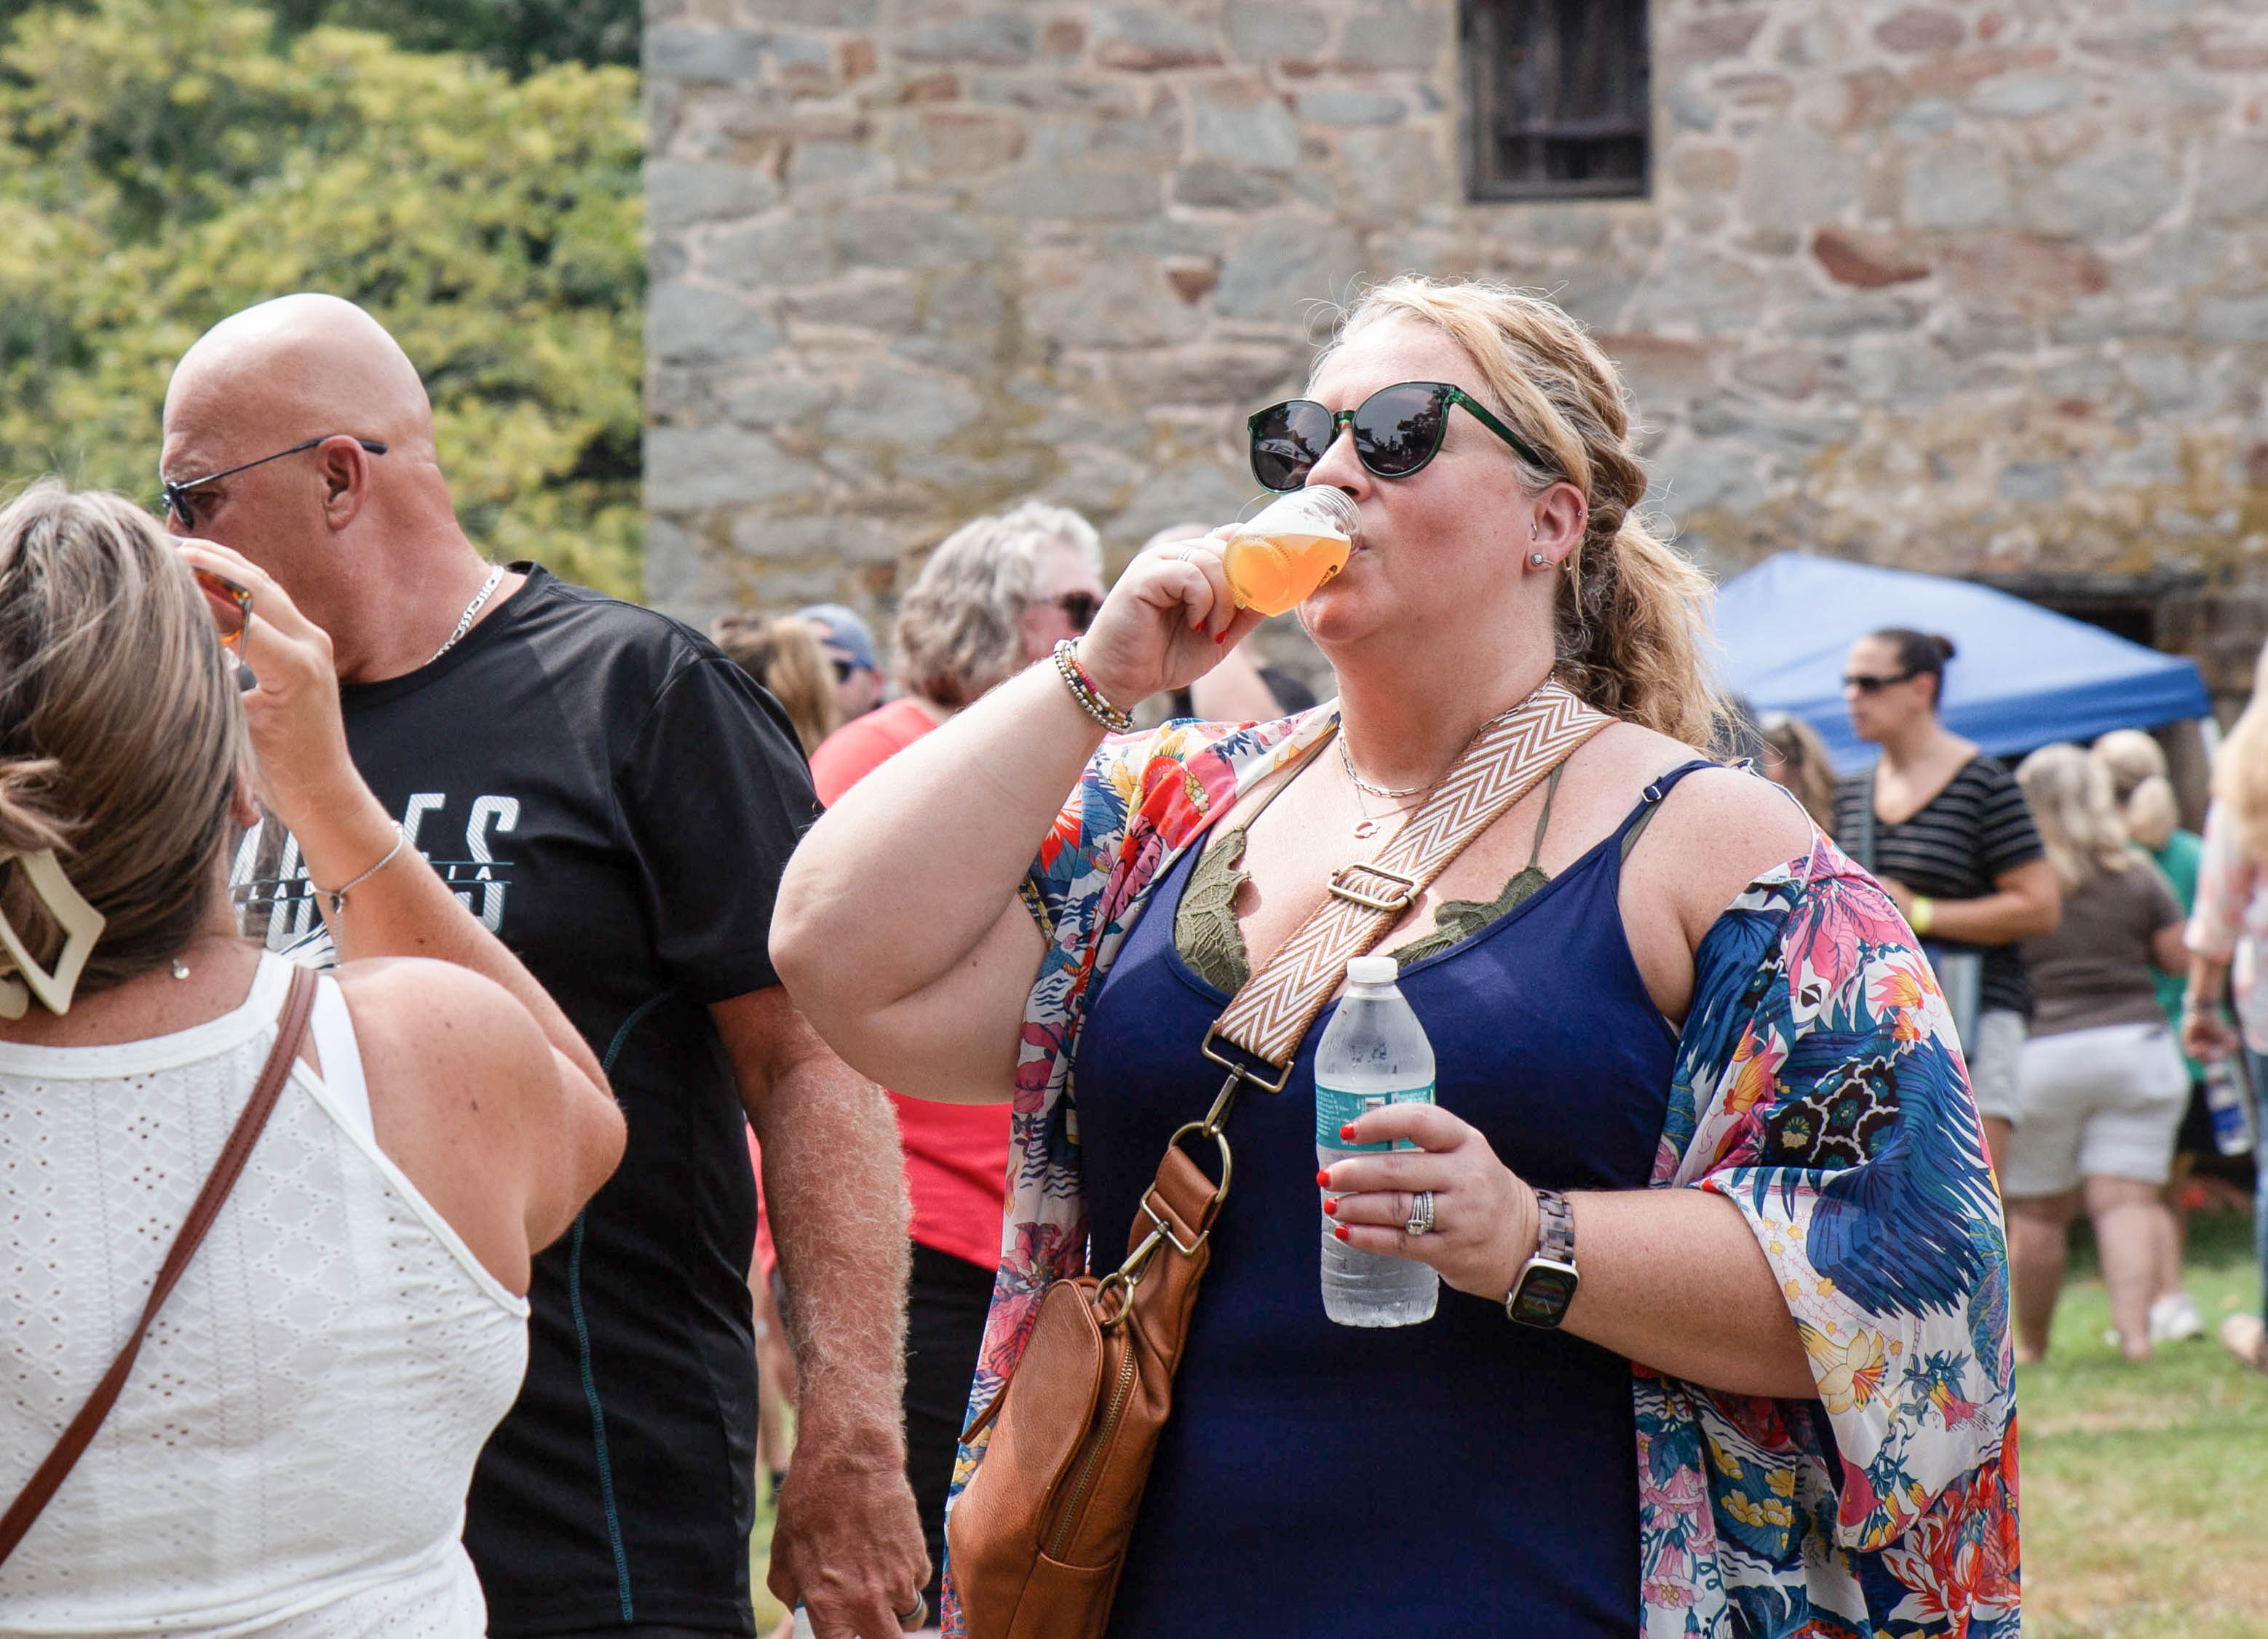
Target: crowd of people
691, 1002
2061, 911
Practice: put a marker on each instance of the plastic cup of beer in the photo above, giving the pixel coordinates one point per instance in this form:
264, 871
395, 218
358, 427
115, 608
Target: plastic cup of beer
1282, 552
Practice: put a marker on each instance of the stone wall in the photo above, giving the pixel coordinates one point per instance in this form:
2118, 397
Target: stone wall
1962, 287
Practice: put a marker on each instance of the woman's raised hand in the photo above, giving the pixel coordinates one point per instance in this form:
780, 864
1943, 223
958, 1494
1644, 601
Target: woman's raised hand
1167, 622
298, 735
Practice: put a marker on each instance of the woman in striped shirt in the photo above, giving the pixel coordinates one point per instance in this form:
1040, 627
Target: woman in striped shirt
1947, 832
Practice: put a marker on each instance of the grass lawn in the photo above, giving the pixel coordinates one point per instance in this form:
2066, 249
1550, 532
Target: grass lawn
2145, 1487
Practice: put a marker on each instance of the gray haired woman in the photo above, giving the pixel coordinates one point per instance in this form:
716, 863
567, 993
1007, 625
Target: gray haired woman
997, 594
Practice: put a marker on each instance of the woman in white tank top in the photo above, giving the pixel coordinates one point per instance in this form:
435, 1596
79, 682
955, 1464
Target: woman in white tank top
290, 1452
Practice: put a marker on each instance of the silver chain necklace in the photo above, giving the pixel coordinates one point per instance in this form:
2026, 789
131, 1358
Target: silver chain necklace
465, 621
1383, 793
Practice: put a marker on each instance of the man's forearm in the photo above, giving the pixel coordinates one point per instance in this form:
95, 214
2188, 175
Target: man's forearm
835, 1179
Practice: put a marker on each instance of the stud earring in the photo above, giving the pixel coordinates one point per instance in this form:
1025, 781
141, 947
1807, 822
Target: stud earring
1537, 560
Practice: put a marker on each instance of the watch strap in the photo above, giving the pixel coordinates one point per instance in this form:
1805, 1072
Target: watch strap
1555, 1229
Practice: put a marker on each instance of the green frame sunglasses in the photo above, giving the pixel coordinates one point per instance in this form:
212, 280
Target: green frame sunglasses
1398, 431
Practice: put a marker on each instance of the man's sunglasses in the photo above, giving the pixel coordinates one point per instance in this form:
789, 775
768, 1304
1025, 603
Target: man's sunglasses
231, 605
1079, 608
1867, 685
180, 507
1397, 429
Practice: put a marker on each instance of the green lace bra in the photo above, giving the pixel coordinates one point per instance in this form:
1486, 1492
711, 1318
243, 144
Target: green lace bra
1207, 933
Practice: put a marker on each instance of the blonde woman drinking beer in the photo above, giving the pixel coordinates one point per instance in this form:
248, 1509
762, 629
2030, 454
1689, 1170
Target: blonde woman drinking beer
1669, 1023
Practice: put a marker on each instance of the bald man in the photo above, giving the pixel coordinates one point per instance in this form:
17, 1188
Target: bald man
616, 801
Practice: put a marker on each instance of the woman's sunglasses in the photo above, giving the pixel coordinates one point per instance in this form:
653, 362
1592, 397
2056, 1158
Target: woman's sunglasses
1397, 429
1867, 685
231, 605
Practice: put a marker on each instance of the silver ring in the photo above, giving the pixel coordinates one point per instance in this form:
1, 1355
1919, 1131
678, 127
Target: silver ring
1421, 1213
918, 1616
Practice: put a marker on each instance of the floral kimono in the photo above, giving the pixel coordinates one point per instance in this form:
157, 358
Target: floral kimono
1818, 1087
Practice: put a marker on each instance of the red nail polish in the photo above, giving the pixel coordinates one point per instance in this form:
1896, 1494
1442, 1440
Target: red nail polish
1322, 1180
1347, 1131
1339, 1229
1331, 1208
1223, 638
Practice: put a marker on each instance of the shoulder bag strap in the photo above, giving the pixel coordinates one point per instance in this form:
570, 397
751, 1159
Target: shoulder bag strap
1271, 1015
291, 1026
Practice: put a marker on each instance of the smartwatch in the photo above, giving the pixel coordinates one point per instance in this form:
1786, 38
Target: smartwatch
1546, 1283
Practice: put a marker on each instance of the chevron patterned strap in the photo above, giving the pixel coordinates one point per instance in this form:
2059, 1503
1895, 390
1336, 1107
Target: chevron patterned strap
1273, 1012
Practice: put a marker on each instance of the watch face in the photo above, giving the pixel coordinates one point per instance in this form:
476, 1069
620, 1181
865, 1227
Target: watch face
1545, 1292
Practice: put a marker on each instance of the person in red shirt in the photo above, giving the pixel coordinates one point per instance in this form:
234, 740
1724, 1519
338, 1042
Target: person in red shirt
997, 594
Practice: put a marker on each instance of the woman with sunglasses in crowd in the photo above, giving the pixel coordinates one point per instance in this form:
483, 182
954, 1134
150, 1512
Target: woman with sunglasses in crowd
290, 1451
1669, 1024
997, 594
1946, 830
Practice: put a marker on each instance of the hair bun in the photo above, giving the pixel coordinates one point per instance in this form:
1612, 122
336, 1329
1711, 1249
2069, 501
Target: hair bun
1943, 645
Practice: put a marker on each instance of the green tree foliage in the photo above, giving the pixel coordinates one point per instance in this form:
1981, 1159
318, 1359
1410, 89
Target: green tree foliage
165, 162
516, 35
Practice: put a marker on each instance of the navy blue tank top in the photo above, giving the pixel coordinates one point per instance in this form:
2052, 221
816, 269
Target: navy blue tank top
1467, 1476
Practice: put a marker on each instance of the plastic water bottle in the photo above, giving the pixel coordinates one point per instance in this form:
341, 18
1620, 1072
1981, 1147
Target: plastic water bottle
2228, 1099
1374, 1053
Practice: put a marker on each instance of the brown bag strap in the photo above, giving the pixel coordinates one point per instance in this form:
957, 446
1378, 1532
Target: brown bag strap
291, 1026
1271, 1015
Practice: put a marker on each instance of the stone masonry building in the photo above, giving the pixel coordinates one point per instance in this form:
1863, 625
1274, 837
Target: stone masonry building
1971, 286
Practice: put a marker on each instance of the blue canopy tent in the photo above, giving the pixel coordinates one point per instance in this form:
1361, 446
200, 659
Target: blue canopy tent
2024, 676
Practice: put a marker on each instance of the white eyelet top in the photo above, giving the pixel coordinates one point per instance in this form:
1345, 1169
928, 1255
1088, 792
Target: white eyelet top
291, 1453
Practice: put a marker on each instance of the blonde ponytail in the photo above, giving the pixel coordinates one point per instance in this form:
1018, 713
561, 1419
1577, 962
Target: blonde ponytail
1633, 621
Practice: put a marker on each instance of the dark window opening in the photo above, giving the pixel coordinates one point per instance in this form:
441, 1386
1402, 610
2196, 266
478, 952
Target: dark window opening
1555, 99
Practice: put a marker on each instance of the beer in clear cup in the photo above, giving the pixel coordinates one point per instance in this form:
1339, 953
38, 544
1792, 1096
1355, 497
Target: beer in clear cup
1278, 557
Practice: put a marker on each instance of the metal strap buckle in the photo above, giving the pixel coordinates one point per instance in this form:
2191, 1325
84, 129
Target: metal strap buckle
1118, 1286
1240, 1072
1404, 893
1166, 1226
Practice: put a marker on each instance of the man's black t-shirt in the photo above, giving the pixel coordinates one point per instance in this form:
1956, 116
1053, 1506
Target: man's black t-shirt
615, 800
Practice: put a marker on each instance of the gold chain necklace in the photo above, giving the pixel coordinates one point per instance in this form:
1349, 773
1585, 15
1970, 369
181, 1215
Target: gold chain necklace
1411, 795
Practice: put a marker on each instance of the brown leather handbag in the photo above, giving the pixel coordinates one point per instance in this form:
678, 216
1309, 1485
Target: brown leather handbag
1036, 1540
40, 1488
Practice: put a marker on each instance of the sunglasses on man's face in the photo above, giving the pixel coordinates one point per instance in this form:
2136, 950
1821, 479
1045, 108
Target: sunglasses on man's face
1079, 608
230, 605
1398, 431
181, 502
1867, 685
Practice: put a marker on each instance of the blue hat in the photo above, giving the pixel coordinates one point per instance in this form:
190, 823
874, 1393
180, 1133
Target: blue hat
845, 629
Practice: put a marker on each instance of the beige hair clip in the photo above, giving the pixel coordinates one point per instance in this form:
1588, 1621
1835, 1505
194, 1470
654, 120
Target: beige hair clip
82, 925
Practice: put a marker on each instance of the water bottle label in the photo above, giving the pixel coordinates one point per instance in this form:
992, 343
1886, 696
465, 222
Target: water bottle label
1334, 1108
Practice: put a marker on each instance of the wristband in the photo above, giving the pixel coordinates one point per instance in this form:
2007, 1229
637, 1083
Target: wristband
1923, 913
1083, 690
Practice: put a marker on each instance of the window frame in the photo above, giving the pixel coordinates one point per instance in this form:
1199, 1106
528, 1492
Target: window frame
1488, 104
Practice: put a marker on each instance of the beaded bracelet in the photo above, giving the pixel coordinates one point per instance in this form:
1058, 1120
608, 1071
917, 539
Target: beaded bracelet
1084, 691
